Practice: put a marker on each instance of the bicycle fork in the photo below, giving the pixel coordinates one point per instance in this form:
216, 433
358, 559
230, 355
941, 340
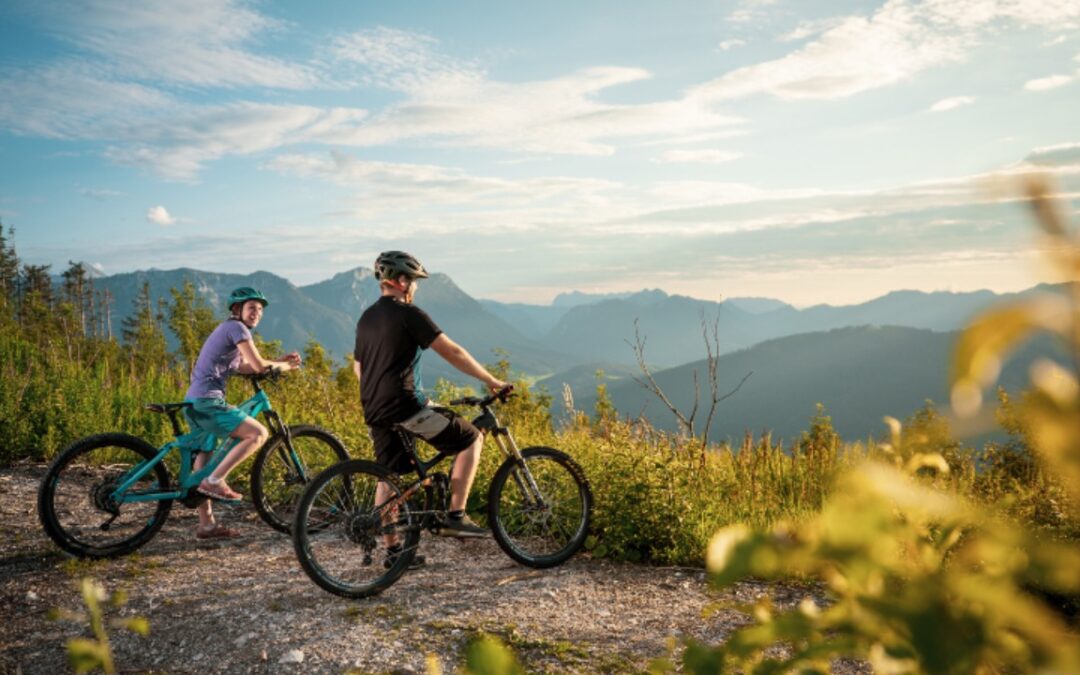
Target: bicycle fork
522, 476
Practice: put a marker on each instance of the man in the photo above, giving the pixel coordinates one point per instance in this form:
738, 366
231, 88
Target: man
229, 349
390, 338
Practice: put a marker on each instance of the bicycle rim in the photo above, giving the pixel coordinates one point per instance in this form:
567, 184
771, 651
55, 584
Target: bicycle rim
75, 500
277, 480
340, 530
540, 526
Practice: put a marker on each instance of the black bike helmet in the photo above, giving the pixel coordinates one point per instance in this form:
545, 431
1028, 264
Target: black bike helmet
245, 293
392, 264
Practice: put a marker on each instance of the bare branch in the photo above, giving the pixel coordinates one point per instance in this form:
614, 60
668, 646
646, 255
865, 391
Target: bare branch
650, 385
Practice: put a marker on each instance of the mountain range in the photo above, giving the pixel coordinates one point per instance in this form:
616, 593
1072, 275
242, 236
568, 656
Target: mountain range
839, 356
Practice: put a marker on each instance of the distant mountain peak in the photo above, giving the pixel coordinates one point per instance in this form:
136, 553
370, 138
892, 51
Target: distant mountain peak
579, 298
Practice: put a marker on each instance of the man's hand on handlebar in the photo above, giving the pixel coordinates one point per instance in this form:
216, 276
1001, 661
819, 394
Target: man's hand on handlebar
496, 386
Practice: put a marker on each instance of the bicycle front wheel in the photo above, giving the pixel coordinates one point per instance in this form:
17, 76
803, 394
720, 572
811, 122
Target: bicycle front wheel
344, 523
76, 502
539, 509
281, 472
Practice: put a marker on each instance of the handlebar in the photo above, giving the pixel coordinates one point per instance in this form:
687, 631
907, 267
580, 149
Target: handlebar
271, 373
501, 396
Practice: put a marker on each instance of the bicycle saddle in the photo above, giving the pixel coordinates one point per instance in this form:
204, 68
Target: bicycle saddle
167, 407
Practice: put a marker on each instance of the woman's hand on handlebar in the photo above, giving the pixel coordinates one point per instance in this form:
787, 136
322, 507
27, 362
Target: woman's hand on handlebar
293, 359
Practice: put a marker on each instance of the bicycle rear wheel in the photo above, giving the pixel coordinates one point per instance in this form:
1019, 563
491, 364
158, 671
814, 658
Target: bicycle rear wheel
75, 502
539, 510
340, 530
278, 477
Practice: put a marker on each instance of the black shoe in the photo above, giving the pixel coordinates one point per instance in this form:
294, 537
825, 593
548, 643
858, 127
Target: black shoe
418, 560
462, 527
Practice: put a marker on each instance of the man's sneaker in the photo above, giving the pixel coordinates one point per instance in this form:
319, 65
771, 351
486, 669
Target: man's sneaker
418, 560
462, 527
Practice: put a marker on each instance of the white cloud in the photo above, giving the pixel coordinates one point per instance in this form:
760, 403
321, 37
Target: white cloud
178, 148
699, 156
384, 187
159, 216
99, 194
727, 45
190, 42
561, 115
73, 101
952, 103
895, 43
811, 28
1048, 83
401, 60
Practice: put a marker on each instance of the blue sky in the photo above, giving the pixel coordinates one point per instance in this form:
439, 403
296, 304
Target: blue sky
807, 151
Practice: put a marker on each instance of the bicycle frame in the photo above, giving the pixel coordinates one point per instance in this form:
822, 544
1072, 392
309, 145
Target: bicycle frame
486, 422
189, 444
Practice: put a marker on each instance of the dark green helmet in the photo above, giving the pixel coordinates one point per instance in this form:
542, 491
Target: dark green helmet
245, 293
392, 264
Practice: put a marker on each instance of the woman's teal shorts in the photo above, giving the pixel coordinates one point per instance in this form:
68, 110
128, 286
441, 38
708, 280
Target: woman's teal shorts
214, 416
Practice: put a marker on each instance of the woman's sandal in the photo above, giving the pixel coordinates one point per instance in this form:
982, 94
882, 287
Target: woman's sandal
218, 531
218, 491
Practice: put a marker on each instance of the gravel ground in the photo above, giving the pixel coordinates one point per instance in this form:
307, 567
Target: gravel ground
246, 606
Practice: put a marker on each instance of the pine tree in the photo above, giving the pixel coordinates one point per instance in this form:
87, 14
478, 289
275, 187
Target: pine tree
143, 334
36, 301
79, 291
9, 268
191, 321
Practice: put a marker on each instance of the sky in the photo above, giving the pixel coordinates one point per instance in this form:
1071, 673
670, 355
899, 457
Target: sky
809, 151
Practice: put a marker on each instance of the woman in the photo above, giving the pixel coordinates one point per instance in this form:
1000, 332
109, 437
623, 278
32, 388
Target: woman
229, 349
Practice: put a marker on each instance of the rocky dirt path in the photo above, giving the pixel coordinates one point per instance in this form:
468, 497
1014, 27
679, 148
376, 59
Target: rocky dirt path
245, 606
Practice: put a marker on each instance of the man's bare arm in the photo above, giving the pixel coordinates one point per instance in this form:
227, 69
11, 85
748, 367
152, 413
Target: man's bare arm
458, 357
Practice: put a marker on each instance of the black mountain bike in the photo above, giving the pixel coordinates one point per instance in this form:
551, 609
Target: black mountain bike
539, 508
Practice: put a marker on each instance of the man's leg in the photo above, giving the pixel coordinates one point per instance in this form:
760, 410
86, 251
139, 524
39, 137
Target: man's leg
383, 492
461, 478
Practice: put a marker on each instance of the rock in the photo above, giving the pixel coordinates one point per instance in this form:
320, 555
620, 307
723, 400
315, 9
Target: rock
243, 639
292, 656
31, 596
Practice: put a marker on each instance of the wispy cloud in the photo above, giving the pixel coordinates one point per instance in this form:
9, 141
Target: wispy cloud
456, 104
159, 216
202, 43
952, 103
808, 29
728, 45
1048, 83
699, 156
99, 194
379, 188
895, 43
401, 60
178, 148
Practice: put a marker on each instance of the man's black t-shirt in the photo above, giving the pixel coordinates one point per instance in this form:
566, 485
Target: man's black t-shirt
390, 337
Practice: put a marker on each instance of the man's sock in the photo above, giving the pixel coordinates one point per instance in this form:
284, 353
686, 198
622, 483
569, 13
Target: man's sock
455, 515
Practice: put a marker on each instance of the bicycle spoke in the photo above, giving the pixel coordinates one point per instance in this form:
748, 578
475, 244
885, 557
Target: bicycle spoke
540, 512
346, 529
79, 505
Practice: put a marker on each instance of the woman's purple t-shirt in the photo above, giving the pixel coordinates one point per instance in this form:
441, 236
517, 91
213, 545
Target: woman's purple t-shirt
218, 359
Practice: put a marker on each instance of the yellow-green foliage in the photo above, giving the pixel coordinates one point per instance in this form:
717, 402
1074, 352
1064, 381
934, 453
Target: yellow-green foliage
919, 578
90, 654
918, 581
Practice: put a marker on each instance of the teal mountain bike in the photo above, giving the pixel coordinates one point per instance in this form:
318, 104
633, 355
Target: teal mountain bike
107, 495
